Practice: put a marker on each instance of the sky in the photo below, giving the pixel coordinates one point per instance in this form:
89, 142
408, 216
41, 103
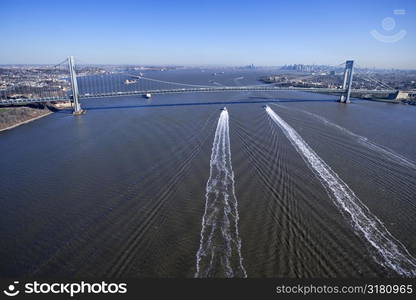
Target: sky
212, 32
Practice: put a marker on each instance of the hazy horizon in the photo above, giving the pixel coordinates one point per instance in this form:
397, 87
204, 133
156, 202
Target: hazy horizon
208, 66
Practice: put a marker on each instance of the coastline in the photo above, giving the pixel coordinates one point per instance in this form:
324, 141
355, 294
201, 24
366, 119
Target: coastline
27, 121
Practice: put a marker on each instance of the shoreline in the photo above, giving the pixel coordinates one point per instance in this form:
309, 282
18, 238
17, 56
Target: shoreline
25, 122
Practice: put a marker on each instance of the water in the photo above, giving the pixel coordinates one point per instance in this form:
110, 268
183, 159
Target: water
122, 190
219, 253
392, 253
388, 153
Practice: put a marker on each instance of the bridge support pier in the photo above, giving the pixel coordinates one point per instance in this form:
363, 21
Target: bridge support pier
346, 86
74, 86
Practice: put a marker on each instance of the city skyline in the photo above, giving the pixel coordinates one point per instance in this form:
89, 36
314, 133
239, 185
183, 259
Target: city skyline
209, 33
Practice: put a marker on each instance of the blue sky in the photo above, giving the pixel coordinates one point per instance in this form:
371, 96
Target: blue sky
206, 32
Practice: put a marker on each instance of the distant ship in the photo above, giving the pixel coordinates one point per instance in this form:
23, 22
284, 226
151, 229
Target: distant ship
148, 95
224, 109
129, 81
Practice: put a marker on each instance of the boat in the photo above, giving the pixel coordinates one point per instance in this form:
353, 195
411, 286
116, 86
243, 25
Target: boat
127, 81
224, 109
148, 95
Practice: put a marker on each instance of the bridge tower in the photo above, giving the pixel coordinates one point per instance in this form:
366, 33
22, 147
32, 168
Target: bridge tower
74, 86
346, 86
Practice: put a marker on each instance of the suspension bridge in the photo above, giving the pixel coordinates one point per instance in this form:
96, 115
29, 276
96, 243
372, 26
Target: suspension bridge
68, 82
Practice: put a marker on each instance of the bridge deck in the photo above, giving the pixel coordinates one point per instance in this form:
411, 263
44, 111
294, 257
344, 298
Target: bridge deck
194, 90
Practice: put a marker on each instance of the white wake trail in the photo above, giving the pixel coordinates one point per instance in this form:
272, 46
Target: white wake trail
386, 152
219, 253
391, 252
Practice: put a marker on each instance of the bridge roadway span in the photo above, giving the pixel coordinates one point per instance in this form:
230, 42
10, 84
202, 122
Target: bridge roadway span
196, 90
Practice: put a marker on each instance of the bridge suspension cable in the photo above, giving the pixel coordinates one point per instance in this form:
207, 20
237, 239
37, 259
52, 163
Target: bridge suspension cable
52, 83
169, 82
187, 84
48, 82
379, 83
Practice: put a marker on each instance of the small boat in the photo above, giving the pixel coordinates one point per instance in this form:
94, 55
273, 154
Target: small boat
127, 81
148, 95
224, 109
265, 106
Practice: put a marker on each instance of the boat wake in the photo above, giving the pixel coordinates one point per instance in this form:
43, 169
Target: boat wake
237, 80
219, 253
391, 253
386, 152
